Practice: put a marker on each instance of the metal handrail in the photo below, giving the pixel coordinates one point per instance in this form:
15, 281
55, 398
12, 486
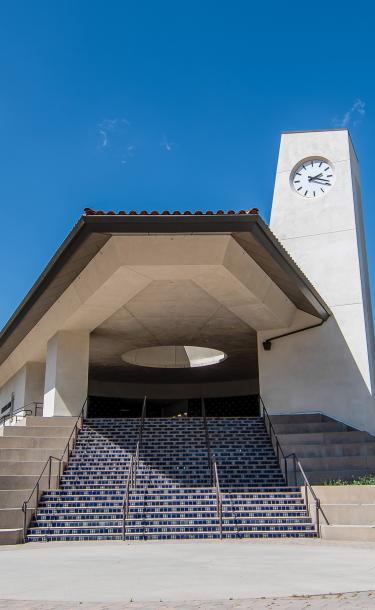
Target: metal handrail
139, 442
23, 410
131, 481
281, 458
125, 504
296, 464
219, 501
308, 488
68, 450
213, 470
208, 442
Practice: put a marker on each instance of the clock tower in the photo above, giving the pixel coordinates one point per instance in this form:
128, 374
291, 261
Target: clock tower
317, 216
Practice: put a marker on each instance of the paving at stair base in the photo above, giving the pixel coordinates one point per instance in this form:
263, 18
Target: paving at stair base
362, 600
180, 572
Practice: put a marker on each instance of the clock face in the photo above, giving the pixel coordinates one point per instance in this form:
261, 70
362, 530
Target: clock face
313, 178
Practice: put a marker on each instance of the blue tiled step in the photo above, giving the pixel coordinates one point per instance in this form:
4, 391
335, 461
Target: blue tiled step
73, 537
167, 527
195, 536
173, 498
121, 485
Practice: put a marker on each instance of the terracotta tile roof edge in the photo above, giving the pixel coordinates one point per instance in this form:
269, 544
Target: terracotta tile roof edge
90, 212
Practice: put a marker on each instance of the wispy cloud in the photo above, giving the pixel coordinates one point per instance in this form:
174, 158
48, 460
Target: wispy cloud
108, 127
103, 138
121, 141
128, 154
353, 116
166, 143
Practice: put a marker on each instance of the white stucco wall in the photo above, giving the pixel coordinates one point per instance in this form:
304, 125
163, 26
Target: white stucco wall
26, 385
16, 386
329, 369
314, 371
34, 390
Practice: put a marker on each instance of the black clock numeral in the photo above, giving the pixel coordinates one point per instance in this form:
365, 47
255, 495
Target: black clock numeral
305, 193
299, 188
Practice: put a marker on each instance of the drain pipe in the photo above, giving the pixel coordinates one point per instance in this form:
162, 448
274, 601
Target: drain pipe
268, 342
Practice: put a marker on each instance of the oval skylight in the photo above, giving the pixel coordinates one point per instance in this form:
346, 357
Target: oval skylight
174, 356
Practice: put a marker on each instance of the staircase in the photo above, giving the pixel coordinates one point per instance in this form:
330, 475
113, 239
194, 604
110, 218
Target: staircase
173, 497
327, 449
24, 449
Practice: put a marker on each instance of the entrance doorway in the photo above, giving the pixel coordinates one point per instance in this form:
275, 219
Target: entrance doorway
228, 406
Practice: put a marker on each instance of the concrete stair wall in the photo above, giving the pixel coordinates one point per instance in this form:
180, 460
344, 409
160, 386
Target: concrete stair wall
24, 448
350, 512
327, 449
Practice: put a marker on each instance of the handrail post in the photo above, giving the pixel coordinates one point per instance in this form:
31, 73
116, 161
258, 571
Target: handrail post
274, 439
213, 470
139, 442
131, 482
125, 504
145, 407
286, 471
207, 437
219, 506
49, 472
24, 510
317, 510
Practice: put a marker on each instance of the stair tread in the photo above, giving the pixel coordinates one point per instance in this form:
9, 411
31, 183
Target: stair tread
174, 496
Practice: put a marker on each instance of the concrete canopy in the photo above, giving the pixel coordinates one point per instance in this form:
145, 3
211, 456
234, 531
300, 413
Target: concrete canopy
136, 281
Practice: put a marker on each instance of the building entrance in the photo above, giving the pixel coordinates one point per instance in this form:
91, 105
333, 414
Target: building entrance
228, 406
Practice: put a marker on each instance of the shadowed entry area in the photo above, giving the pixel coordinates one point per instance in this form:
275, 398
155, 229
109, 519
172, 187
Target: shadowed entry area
231, 406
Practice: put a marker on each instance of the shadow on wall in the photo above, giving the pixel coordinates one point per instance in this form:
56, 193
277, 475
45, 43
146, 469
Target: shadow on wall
315, 371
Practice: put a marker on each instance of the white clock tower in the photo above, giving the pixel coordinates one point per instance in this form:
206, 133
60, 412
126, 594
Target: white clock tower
317, 216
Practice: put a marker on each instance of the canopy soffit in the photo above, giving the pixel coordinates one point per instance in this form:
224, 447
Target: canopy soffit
92, 233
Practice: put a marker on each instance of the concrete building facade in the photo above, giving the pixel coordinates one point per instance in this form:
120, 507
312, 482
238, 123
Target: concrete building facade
121, 283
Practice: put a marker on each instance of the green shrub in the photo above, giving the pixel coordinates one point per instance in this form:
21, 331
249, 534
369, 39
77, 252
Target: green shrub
366, 479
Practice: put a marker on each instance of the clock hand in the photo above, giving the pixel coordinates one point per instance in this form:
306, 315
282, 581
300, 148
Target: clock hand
321, 181
313, 177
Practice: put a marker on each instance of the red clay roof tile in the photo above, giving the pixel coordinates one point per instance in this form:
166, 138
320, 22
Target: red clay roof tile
90, 212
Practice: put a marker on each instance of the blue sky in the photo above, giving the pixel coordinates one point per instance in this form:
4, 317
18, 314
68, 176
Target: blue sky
166, 105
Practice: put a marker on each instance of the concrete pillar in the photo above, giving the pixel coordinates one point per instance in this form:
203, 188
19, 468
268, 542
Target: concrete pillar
66, 378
